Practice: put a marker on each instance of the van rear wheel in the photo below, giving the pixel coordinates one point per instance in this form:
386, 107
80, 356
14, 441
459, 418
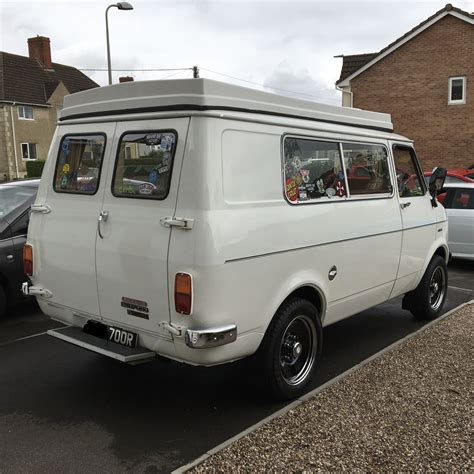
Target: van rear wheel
291, 349
427, 300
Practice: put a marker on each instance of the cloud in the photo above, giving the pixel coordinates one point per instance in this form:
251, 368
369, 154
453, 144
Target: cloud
300, 84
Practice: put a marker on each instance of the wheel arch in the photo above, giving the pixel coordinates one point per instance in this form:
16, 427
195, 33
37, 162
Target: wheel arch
438, 248
309, 292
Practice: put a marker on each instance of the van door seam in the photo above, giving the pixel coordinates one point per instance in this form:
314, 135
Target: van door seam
174, 215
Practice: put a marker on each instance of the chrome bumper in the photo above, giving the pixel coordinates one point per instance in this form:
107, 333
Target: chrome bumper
211, 337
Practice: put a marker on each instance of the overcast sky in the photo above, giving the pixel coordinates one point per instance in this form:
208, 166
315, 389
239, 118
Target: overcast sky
272, 44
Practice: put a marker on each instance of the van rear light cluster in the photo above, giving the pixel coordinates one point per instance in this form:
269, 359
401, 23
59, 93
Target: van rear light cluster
183, 293
28, 259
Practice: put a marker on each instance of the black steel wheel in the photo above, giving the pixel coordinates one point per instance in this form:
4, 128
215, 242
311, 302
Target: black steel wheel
427, 300
291, 349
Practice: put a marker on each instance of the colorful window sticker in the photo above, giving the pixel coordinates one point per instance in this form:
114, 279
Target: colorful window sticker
313, 170
79, 163
144, 171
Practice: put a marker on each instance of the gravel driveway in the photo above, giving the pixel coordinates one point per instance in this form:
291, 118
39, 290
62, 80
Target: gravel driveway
408, 410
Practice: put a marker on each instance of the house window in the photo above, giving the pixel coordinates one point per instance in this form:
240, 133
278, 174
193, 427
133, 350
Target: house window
25, 112
457, 90
28, 151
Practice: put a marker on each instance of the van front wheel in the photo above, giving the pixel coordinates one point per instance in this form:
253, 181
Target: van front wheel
291, 349
427, 300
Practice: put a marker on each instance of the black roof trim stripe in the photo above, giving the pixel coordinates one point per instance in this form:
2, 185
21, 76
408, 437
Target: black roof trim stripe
184, 107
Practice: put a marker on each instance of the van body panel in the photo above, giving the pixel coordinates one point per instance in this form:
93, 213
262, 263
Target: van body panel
64, 240
254, 240
132, 256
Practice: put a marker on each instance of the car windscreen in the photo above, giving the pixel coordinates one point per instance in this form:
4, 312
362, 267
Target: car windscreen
12, 197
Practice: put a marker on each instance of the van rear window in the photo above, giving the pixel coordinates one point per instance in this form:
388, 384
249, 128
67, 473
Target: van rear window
144, 164
79, 164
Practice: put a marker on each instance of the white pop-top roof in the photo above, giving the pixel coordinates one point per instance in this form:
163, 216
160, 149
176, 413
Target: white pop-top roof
206, 94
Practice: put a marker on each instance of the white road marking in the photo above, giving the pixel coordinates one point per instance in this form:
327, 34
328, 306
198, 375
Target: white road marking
460, 289
29, 337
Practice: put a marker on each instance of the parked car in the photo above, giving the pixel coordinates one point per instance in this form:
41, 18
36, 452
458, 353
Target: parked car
459, 205
254, 238
16, 199
455, 175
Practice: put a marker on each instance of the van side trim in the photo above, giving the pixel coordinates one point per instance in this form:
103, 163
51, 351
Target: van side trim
183, 107
329, 243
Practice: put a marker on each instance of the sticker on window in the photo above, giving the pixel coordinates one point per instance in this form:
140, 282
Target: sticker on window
143, 166
79, 163
313, 170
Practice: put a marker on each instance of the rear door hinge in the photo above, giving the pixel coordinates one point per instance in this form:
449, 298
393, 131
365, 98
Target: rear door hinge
180, 222
177, 331
43, 209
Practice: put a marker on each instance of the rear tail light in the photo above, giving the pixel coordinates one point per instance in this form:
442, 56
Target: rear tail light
28, 259
183, 293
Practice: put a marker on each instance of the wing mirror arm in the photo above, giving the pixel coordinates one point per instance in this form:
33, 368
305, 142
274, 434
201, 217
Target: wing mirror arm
436, 184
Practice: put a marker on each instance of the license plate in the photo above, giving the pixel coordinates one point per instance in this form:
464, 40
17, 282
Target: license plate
120, 336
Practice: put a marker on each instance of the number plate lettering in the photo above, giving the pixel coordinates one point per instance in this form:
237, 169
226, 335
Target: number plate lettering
122, 337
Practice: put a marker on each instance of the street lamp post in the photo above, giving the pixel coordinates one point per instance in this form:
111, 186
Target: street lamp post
120, 6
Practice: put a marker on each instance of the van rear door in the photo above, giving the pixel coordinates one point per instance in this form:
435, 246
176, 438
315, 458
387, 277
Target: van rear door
63, 225
132, 244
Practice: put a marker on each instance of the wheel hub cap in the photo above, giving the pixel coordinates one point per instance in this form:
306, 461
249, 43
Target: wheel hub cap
298, 349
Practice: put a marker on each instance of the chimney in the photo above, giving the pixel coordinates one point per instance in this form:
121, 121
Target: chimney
39, 48
126, 79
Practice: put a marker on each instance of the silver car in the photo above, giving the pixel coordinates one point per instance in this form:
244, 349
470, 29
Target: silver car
459, 204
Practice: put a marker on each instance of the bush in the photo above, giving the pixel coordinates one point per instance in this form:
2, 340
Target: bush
34, 169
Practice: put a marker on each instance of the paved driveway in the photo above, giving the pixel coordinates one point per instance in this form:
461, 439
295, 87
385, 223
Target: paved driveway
63, 408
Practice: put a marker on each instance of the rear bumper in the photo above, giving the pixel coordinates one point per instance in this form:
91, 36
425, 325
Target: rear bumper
210, 337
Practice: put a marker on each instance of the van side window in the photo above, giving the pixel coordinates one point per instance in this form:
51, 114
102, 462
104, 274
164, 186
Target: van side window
79, 164
367, 169
313, 170
410, 181
144, 163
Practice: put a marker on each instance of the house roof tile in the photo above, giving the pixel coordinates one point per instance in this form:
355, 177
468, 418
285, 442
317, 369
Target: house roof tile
23, 79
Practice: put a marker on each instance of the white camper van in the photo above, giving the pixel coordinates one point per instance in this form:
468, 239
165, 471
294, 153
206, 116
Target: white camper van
206, 222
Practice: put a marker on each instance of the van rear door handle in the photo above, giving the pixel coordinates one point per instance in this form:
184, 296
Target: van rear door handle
103, 216
404, 204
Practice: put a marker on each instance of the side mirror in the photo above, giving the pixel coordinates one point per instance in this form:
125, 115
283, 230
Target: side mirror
436, 183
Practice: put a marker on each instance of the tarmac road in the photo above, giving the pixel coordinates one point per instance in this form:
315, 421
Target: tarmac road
63, 408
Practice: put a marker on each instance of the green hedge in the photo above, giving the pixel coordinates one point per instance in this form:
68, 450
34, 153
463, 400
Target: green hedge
34, 169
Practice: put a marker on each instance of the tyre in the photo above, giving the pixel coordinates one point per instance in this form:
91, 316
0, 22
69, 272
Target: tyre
427, 300
291, 349
3, 301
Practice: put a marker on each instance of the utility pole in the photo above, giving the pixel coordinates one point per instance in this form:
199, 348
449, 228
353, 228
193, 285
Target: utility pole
195, 72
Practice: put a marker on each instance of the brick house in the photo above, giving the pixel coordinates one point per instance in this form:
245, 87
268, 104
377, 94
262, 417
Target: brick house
425, 79
32, 90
